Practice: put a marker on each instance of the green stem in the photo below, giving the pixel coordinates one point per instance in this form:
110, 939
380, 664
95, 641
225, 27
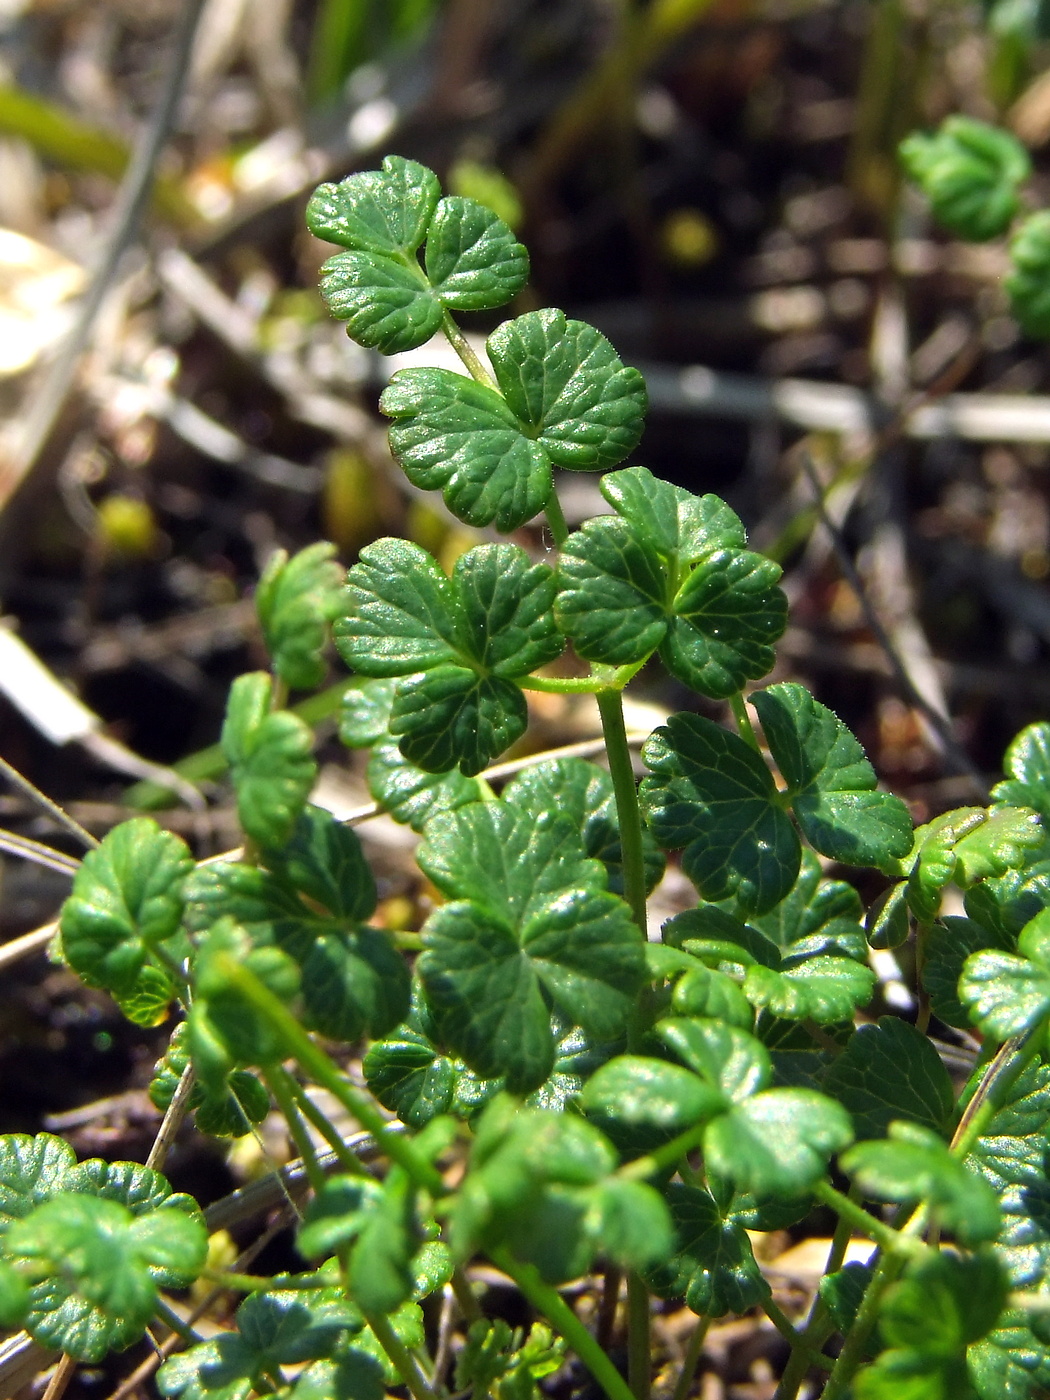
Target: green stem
691, 1359
743, 720
462, 347
563, 685
407, 1365
468, 1304
884, 1235
549, 1302
263, 1283
793, 1336
324, 1072
610, 707
855, 1345
171, 1319
277, 1081
663, 1157
639, 1338
331, 1134
556, 519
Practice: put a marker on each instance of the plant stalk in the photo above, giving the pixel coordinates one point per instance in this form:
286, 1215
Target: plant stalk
407, 1365
465, 351
691, 1359
556, 520
639, 1337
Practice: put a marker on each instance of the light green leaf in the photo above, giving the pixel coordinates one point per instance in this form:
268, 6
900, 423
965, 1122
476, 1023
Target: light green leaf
1026, 281
473, 260
638, 1090
824, 989
712, 995
778, 1142
385, 211
714, 1268
944, 1302
127, 898
1006, 993
831, 784
270, 758
296, 600
712, 795
32, 1170
1004, 842
890, 1070
729, 1059
148, 1002
410, 794
387, 305
633, 1225
1027, 762
970, 172
365, 713
913, 1164
14, 1297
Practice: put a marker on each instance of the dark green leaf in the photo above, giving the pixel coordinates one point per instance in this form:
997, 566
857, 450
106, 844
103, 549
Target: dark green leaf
387, 304
354, 982
532, 926
948, 945
712, 795
944, 1302
1004, 842
127, 898
584, 793
410, 794
778, 1142
1028, 765
712, 995
385, 211
830, 783
913, 1165
473, 260
714, 1267
1010, 1363
677, 524
353, 1376
716, 937
32, 1170
296, 601
323, 860
1004, 904
890, 1070
815, 906
887, 919
271, 760
843, 1292
452, 715
799, 1062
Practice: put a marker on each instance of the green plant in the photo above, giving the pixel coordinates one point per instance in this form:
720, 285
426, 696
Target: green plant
572, 1095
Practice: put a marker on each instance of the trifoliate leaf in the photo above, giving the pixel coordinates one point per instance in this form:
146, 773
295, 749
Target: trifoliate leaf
778, 1142
1006, 841
824, 989
101, 1266
638, 1090
1025, 282
127, 899
296, 600
385, 211
913, 1164
730, 1060
1008, 993
670, 572
1027, 762
970, 172
584, 792
323, 860
713, 797
271, 760
890, 1070
473, 260
531, 926
410, 794
948, 944
471, 636
714, 1268
565, 399
831, 785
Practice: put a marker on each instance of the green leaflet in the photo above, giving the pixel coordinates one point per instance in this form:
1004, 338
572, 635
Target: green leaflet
970, 172
1027, 762
1010, 1156
890, 1070
713, 797
384, 212
669, 571
352, 979
777, 1142
823, 912
584, 792
1006, 993
379, 1224
296, 601
638, 1090
14, 1297
229, 1112
831, 785
1026, 281
270, 757
531, 926
473, 260
565, 399
494, 1356
459, 642
730, 1060
714, 1267
126, 900
913, 1164
949, 943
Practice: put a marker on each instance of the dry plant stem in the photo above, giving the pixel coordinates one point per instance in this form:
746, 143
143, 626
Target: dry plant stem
446, 1324
960, 760
172, 1120
48, 401
27, 849
691, 1360
61, 1377
52, 809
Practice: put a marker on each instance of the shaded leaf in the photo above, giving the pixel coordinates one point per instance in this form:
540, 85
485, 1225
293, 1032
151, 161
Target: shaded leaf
714, 1267
271, 760
890, 1070
296, 599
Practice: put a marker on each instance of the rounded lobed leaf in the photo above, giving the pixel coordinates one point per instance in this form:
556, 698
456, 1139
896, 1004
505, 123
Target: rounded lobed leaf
777, 1143
379, 211
127, 898
296, 600
473, 260
270, 753
387, 305
1026, 283
970, 172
